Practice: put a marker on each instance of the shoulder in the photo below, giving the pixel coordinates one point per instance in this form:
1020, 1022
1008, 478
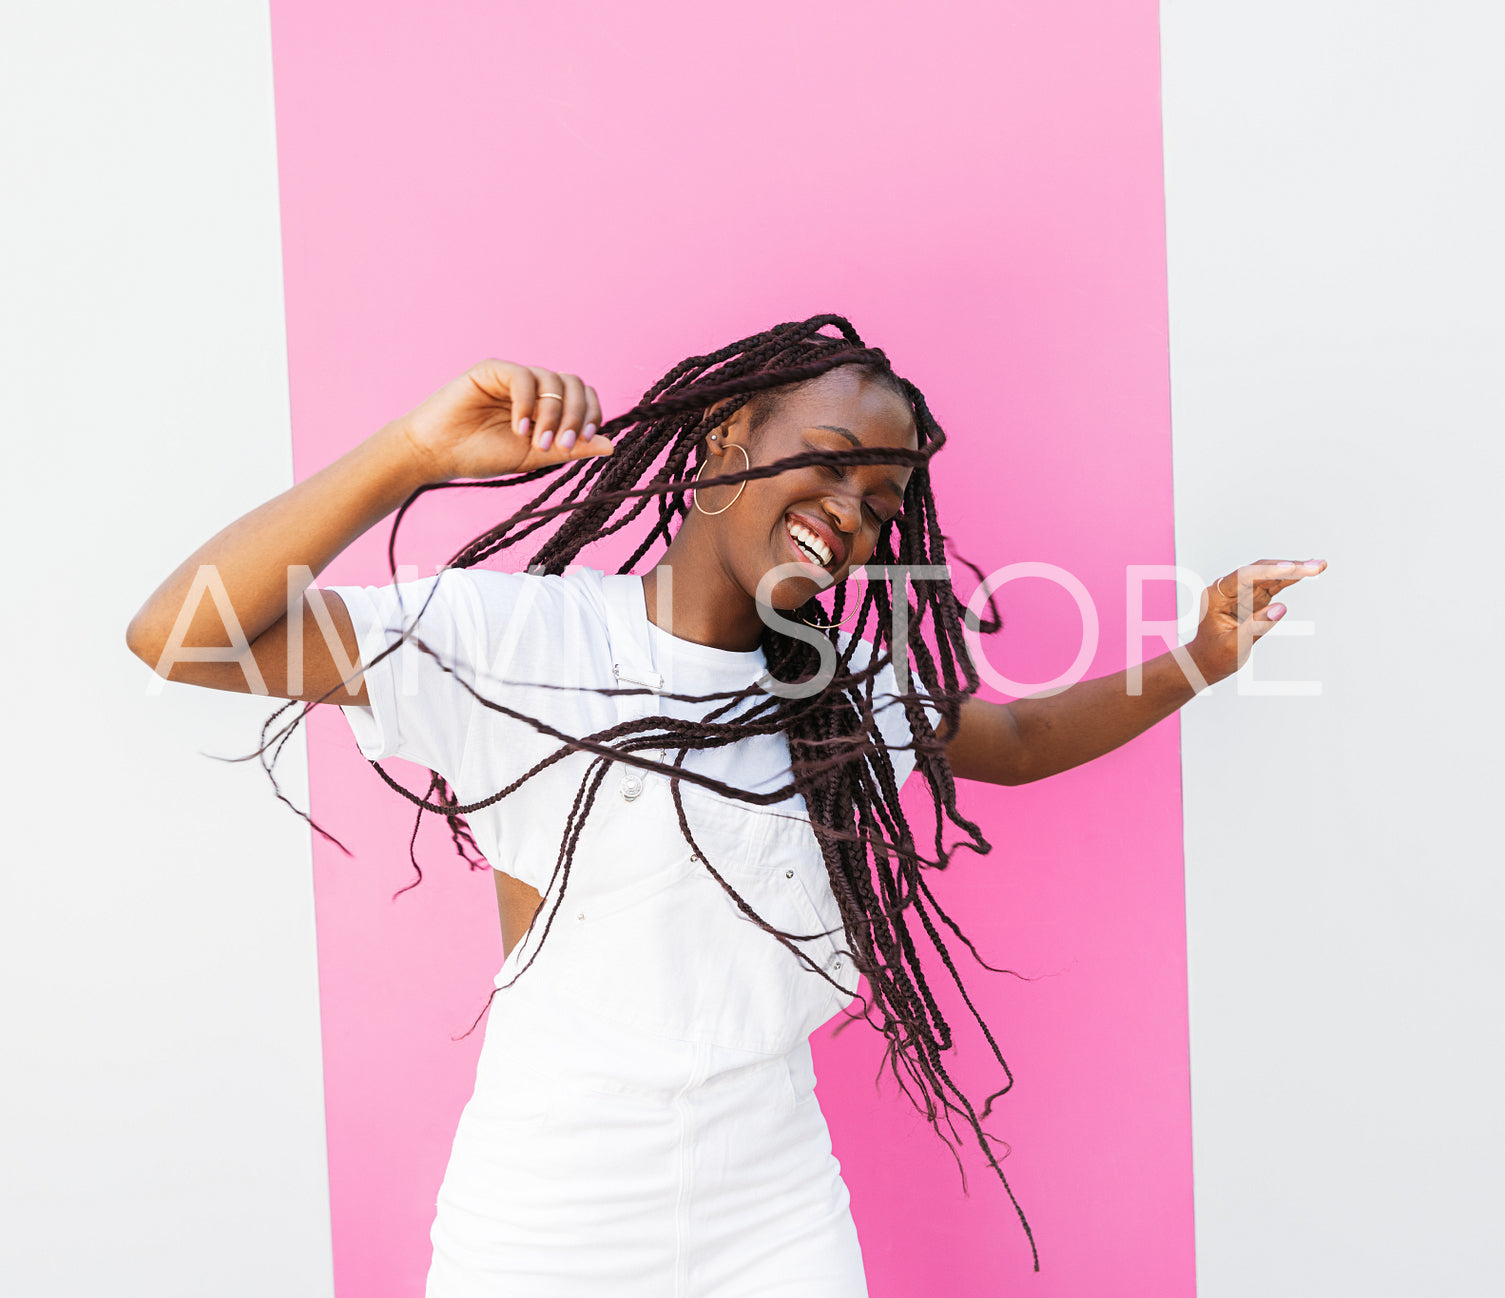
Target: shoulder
489, 584
862, 654
531, 626
884, 682
888, 698
499, 598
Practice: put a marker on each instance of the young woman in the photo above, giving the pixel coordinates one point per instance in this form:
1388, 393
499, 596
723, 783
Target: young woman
687, 783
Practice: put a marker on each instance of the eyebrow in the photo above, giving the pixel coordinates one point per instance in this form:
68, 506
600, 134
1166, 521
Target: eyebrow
857, 442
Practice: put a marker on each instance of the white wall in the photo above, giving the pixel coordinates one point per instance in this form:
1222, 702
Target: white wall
161, 1088
1335, 208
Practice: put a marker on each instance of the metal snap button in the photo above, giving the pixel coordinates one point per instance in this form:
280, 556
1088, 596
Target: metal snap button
631, 787
789, 874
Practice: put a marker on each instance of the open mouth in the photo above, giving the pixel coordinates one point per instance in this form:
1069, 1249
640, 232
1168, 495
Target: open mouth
809, 546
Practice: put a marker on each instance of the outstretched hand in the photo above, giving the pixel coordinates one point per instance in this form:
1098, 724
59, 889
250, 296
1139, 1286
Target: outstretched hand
1235, 611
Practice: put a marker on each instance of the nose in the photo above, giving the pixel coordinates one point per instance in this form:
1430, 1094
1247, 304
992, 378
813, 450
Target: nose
845, 513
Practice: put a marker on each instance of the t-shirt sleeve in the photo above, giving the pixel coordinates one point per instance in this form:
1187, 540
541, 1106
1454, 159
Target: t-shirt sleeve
420, 707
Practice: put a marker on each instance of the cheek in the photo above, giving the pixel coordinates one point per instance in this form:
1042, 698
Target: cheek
867, 546
757, 530
764, 507
776, 497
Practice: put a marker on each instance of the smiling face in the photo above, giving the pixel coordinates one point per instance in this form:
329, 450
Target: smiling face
824, 517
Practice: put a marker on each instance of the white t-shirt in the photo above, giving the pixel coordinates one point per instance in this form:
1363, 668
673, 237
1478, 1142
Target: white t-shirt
509, 636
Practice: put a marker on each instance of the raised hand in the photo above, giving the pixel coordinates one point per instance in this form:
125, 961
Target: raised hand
1236, 611
499, 417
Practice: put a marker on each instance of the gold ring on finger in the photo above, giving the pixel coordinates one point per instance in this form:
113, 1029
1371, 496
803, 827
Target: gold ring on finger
1224, 593
554, 395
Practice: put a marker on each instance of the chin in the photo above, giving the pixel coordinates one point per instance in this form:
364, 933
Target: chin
791, 593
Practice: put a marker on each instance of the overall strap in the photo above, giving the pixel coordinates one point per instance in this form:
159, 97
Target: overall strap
631, 660
631, 649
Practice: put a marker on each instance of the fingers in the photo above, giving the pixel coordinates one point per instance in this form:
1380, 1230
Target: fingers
543, 410
551, 408
572, 420
555, 453
1264, 619
592, 413
567, 416
507, 386
558, 413
561, 409
1258, 581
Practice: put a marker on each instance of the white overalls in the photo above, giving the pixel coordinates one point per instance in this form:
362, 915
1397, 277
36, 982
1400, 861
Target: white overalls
644, 1123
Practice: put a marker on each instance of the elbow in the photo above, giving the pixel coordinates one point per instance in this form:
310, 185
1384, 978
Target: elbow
1009, 773
144, 641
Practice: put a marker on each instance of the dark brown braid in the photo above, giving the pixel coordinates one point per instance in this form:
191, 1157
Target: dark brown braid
839, 760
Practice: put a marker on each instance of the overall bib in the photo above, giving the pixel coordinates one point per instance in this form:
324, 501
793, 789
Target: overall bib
644, 1122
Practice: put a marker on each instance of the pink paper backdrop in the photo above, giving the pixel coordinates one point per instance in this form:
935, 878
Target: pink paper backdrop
608, 188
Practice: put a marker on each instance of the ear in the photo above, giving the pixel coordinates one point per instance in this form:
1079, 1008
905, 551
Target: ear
714, 442
735, 429
714, 416
717, 443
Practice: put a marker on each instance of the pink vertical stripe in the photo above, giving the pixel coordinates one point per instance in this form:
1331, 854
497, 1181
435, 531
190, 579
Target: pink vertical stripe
607, 188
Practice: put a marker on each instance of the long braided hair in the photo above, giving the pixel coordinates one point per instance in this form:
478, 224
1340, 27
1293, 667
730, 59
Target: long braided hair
839, 761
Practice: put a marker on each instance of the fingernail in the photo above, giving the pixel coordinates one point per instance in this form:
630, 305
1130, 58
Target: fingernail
566, 439
588, 432
544, 438
523, 425
1276, 612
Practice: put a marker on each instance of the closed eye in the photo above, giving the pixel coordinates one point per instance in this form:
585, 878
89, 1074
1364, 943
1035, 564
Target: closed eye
838, 472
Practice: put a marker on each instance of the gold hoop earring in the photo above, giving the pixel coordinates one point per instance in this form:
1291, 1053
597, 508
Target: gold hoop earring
711, 513
822, 626
830, 626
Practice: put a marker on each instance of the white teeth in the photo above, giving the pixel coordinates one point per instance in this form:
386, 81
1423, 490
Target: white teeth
818, 548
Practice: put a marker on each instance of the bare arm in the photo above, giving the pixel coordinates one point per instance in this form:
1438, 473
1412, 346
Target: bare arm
1031, 738
477, 426
306, 527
